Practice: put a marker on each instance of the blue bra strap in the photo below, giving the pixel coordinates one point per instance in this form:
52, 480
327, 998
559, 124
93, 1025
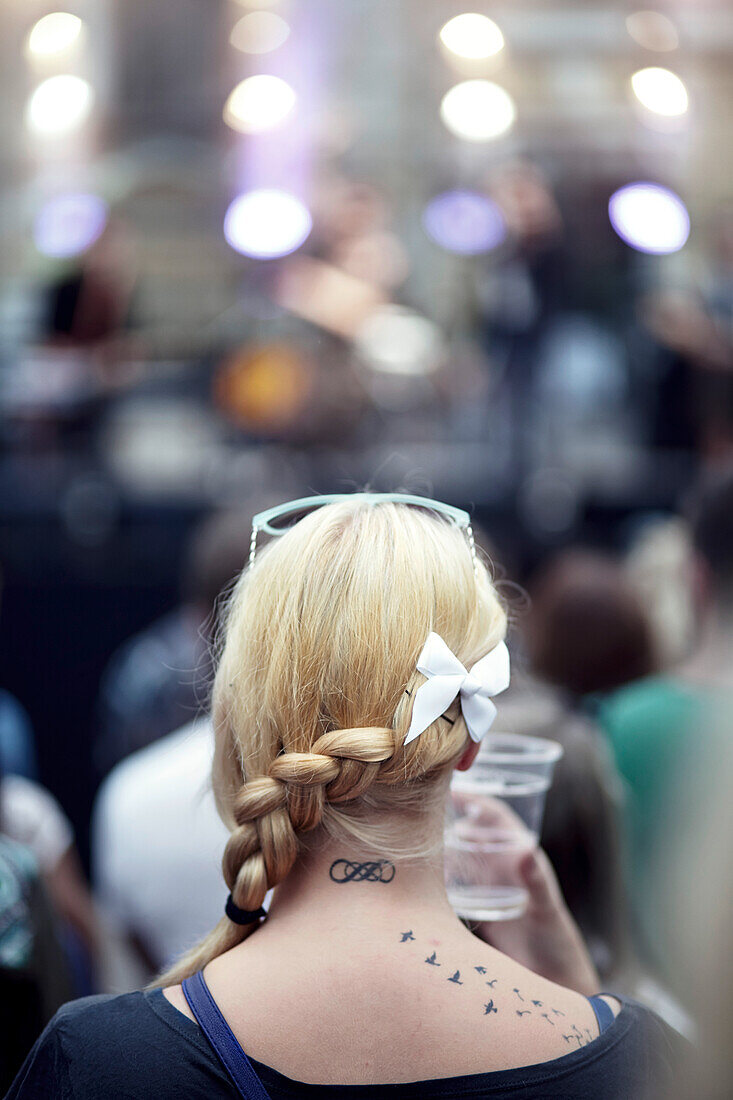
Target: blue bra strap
603, 1011
221, 1038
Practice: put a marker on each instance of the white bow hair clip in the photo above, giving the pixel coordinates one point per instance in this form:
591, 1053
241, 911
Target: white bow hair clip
447, 678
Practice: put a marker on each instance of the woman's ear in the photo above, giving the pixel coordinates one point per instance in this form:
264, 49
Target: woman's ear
469, 755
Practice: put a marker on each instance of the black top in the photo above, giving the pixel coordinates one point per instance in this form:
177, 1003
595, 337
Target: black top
139, 1045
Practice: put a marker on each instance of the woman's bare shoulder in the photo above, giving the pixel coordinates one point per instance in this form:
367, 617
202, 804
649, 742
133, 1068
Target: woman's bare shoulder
432, 1007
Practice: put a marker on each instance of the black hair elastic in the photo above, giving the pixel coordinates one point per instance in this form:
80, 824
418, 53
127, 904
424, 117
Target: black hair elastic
243, 916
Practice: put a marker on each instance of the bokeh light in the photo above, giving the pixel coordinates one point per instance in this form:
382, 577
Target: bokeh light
68, 224
259, 32
397, 340
267, 223
477, 110
650, 218
59, 105
264, 388
463, 221
660, 91
652, 30
53, 34
472, 36
259, 103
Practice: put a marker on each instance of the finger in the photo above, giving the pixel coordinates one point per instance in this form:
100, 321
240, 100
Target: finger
541, 882
485, 810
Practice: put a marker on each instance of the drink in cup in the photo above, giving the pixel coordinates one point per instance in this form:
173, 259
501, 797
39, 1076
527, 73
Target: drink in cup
494, 817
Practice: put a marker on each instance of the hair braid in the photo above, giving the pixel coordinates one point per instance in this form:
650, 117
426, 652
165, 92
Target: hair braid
269, 810
262, 848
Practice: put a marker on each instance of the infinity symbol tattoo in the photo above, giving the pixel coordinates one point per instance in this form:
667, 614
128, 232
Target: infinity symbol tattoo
343, 870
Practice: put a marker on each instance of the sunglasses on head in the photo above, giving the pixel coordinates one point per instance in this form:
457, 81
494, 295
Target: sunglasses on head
278, 520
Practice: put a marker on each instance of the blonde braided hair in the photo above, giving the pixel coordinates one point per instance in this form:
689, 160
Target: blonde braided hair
271, 809
312, 697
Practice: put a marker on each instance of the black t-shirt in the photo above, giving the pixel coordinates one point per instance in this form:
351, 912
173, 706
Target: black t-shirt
139, 1045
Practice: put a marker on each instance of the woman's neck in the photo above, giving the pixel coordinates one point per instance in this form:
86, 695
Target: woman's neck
351, 887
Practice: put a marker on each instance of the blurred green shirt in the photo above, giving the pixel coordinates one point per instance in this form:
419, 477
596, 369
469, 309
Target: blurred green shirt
662, 731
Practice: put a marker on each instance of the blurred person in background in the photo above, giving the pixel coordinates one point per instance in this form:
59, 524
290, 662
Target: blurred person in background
30, 816
693, 403
529, 276
43, 897
34, 975
522, 289
158, 680
316, 688
589, 635
660, 726
89, 305
587, 632
693, 329
157, 841
581, 824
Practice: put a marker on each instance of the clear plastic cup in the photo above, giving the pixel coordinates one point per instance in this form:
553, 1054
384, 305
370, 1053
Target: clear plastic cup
494, 817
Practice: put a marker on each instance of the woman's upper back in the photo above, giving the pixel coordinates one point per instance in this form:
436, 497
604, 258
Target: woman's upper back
428, 1016
371, 1003
140, 1045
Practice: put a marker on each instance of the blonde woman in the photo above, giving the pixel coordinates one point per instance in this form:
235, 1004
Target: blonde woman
333, 759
